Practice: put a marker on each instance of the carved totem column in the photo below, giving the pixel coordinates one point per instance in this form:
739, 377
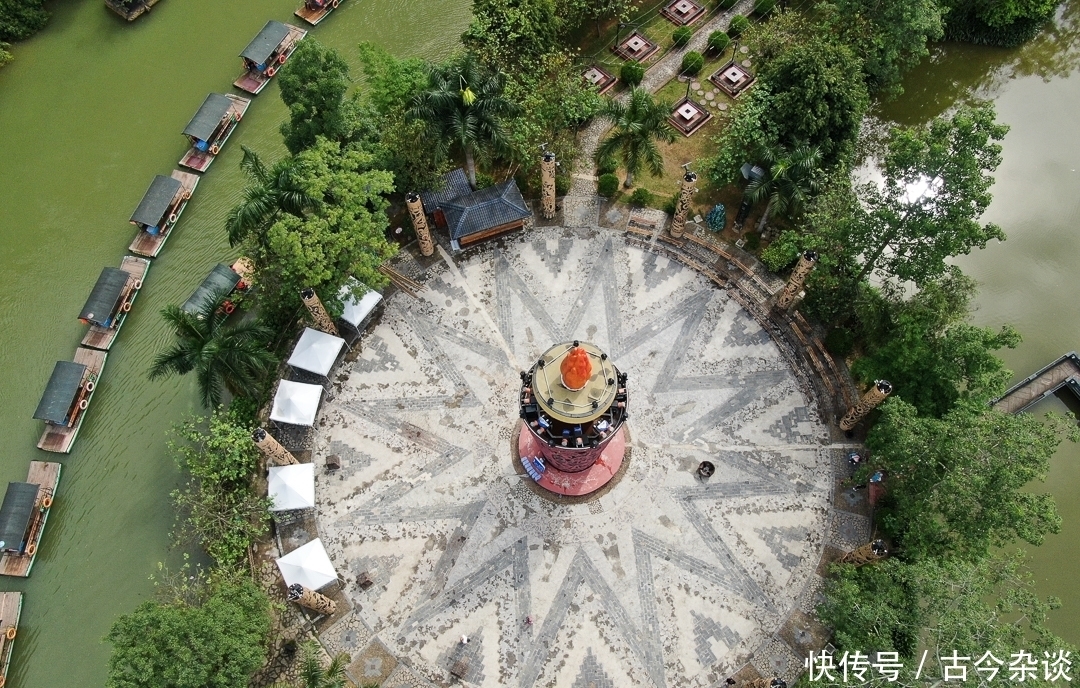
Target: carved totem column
272, 449
314, 601
682, 207
871, 551
874, 396
419, 223
318, 311
798, 278
547, 184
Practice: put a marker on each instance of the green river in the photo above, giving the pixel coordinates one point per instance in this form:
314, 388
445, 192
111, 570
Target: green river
90, 110
93, 107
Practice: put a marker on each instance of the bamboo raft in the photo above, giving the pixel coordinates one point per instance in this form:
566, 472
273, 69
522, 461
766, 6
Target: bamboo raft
315, 15
132, 13
262, 62
149, 245
60, 435
46, 475
199, 160
99, 337
10, 611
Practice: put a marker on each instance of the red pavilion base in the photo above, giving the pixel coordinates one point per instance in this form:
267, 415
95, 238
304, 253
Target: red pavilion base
582, 482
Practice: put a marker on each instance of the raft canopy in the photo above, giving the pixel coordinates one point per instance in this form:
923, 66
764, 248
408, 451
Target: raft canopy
263, 46
15, 514
156, 201
221, 280
101, 306
60, 392
205, 122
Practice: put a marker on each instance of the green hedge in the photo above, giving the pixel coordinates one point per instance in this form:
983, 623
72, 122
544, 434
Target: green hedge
608, 185
718, 42
641, 197
692, 63
682, 36
739, 23
632, 73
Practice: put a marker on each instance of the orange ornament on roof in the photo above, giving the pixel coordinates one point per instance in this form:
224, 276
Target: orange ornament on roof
576, 369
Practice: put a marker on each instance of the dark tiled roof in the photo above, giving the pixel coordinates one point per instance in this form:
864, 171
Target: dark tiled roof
60, 392
455, 184
209, 116
102, 302
156, 201
266, 42
484, 209
18, 507
221, 280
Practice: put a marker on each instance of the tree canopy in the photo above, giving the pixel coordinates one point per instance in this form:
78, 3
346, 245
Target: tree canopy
216, 644
507, 33
313, 85
638, 125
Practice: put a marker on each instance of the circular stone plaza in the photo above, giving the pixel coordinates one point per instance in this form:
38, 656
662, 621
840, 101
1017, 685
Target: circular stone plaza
458, 566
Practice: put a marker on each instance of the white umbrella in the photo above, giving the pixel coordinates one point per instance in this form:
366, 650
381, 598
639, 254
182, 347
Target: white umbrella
358, 309
296, 403
308, 565
316, 351
292, 486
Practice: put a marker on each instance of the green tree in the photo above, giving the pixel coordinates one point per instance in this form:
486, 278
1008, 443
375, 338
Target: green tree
313, 85
230, 356
891, 37
390, 82
926, 349
960, 484
20, 19
216, 644
271, 193
632, 72
936, 186
791, 179
343, 234
507, 33
463, 106
314, 675
1006, 23
581, 11
744, 135
637, 127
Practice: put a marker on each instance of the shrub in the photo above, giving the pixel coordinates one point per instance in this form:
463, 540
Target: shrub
483, 181
763, 7
562, 184
607, 166
692, 63
641, 197
608, 185
632, 73
840, 341
718, 42
739, 23
753, 241
669, 205
727, 4
682, 36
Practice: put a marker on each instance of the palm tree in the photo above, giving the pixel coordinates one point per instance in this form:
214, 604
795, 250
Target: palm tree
791, 179
314, 675
233, 356
638, 125
271, 193
463, 106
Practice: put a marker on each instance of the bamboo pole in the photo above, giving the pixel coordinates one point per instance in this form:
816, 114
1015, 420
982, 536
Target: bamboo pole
798, 278
272, 449
419, 223
318, 311
547, 184
874, 396
312, 600
682, 207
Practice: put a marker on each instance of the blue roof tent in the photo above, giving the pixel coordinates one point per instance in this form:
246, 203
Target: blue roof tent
15, 514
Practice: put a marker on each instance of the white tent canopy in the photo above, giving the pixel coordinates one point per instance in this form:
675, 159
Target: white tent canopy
308, 565
358, 309
292, 486
316, 351
296, 403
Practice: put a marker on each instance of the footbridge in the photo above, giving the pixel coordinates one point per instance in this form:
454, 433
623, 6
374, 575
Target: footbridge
1064, 372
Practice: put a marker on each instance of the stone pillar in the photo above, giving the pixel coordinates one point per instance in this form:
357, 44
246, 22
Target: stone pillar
547, 184
272, 449
682, 207
798, 277
318, 311
419, 223
874, 396
311, 599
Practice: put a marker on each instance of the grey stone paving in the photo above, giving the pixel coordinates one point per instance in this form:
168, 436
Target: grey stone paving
664, 580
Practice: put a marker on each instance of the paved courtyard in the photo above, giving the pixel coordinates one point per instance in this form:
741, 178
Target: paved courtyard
662, 580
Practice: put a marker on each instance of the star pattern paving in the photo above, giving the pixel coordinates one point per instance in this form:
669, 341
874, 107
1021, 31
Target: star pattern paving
662, 580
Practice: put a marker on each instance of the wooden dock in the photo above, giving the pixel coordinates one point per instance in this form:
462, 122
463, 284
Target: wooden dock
1064, 372
59, 438
149, 245
46, 475
198, 160
313, 17
98, 337
10, 611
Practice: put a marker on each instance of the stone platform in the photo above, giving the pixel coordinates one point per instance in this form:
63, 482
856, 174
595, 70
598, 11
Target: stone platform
661, 580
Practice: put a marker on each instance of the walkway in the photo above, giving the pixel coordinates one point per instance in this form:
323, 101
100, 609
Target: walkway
1064, 372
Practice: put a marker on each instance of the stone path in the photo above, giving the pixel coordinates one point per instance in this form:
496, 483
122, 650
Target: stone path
656, 76
664, 580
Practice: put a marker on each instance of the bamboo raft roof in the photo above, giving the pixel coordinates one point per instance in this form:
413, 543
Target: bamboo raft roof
61, 430
215, 135
254, 80
10, 611
102, 336
149, 245
45, 476
222, 279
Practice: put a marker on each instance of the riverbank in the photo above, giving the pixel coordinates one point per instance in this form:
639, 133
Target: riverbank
86, 149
